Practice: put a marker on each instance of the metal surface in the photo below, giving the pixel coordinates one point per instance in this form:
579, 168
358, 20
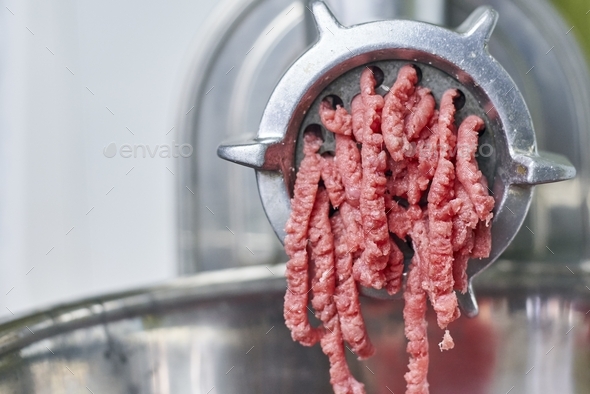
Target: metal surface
459, 55
224, 333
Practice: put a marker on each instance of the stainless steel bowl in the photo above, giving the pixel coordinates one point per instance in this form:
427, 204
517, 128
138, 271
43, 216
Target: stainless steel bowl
223, 332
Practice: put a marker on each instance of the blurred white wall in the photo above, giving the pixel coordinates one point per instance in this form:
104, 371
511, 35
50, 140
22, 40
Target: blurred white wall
62, 63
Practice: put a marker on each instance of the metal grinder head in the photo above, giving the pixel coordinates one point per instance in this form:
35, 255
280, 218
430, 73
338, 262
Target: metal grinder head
446, 59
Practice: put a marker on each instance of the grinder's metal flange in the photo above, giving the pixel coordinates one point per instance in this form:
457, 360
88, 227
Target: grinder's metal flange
456, 58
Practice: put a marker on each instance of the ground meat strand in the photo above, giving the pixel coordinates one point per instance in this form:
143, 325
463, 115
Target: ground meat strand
340, 376
338, 120
427, 149
465, 219
400, 221
368, 269
483, 233
394, 269
460, 266
347, 297
420, 168
483, 241
321, 242
462, 238
348, 163
415, 315
358, 109
420, 115
395, 111
397, 181
440, 216
411, 177
348, 158
296, 296
332, 180
468, 173
351, 217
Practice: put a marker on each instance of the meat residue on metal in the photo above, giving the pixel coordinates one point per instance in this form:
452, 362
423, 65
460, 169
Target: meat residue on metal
402, 172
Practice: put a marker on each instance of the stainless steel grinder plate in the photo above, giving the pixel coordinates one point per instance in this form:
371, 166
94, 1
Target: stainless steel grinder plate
456, 58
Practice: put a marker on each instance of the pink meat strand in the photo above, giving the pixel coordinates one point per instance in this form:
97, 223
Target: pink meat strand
415, 315
340, 377
348, 166
468, 172
348, 163
411, 177
347, 297
461, 257
421, 114
397, 182
337, 120
482, 243
477, 245
440, 216
471, 226
304, 193
427, 148
395, 111
358, 110
420, 169
464, 223
441, 190
321, 242
483, 234
348, 158
351, 216
368, 268
459, 275
332, 180
394, 269
399, 221
465, 219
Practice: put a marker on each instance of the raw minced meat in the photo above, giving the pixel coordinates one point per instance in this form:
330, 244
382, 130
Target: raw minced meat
401, 172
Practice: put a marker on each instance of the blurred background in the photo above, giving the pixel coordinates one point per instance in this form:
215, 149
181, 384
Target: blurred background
78, 76
61, 65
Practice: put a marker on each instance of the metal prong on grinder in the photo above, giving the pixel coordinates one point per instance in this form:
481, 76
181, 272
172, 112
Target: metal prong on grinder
325, 21
480, 24
468, 302
447, 59
249, 153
